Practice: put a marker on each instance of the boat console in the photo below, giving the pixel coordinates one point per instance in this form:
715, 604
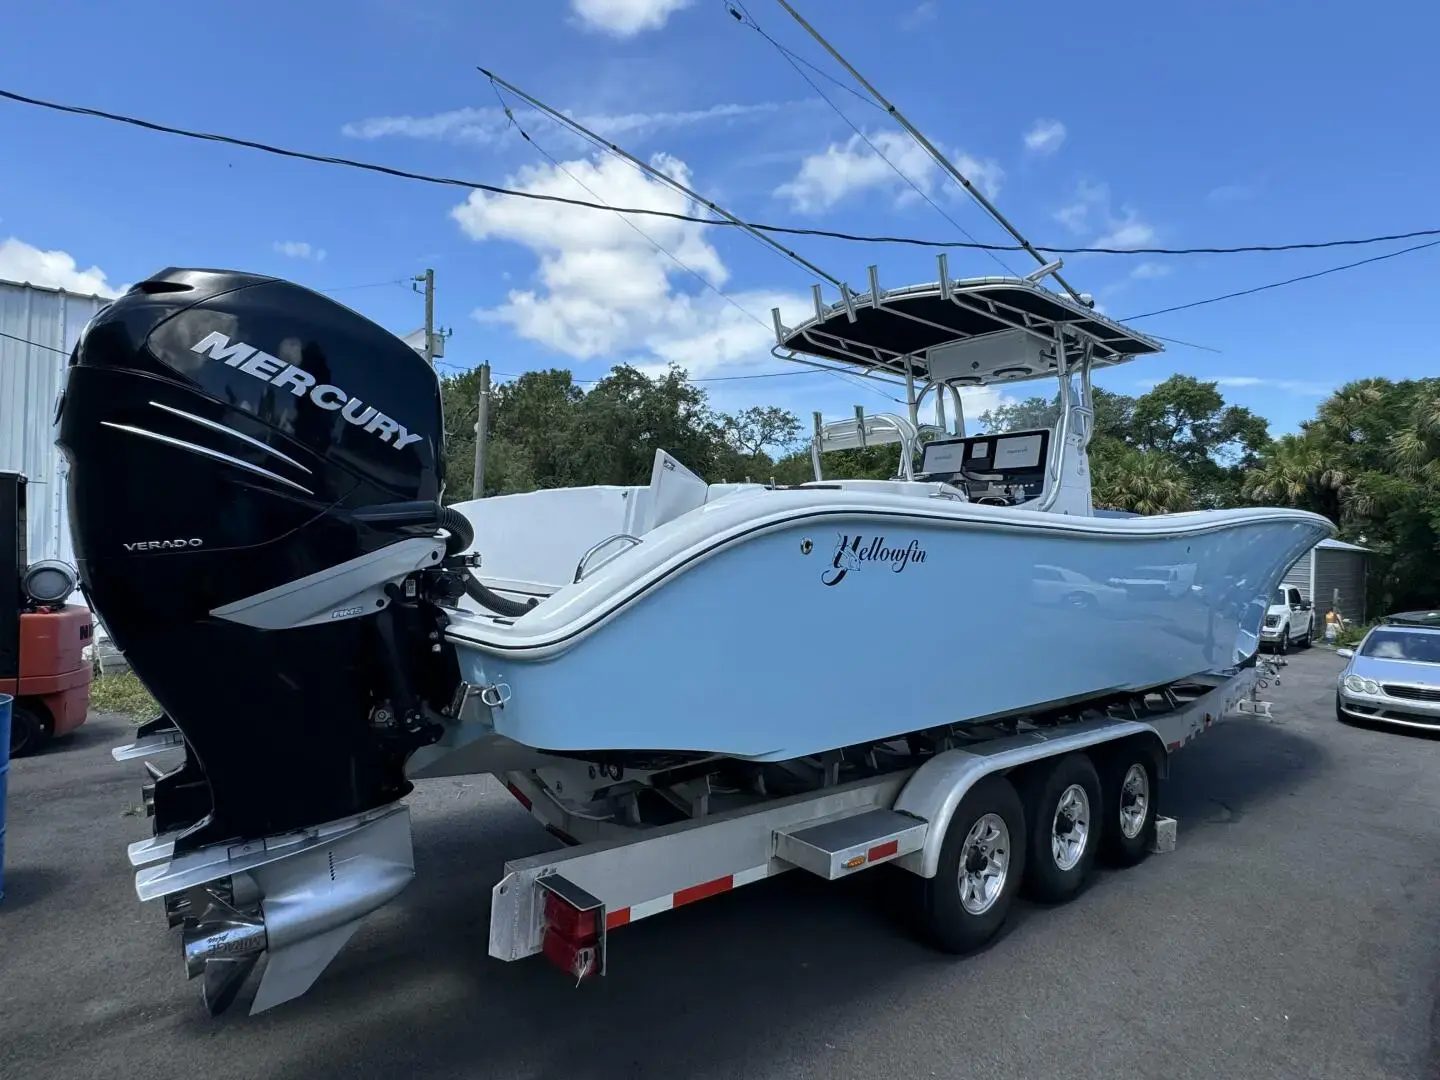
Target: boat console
998, 470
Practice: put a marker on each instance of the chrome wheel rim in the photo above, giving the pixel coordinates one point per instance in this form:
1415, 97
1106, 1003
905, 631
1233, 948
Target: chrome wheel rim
1134, 801
984, 864
1070, 827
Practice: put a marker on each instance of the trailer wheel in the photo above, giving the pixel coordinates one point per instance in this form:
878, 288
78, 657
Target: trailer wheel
982, 861
1130, 787
1063, 806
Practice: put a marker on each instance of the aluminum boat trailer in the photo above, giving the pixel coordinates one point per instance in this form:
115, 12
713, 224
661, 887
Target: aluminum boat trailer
1034, 801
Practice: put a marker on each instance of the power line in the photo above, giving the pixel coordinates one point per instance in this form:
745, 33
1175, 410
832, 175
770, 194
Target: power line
833, 234
559, 167
1278, 284
1127, 318
35, 344
368, 285
512, 375
337, 288
555, 163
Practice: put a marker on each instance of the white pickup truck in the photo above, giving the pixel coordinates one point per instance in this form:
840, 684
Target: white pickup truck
1289, 620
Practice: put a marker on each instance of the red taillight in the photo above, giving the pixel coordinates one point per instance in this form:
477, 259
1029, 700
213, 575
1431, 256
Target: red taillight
569, 921
572, 936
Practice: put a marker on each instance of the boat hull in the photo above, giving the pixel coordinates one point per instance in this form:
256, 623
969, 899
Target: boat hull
838, 628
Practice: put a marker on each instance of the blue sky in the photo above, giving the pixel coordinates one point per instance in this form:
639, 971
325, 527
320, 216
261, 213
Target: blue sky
1122, 123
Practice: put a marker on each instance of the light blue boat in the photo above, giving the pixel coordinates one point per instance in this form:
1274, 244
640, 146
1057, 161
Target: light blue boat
770, 623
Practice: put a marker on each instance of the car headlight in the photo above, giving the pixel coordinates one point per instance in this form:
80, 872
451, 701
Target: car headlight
1357, 685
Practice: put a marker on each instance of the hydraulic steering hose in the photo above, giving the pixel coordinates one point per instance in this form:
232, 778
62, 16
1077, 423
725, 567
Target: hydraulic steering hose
462, 535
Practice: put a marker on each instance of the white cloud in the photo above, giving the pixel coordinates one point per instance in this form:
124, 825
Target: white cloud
1076, 215
982, 399
626, 18
1131, 232
844, 169
20, 261
923, 13
603, 291
1150, 270
1289, 386
299, 249
1091, 210
1073, 216
489, 126
1045, 137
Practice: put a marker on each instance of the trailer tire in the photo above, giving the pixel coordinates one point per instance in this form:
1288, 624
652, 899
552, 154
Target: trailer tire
963, 909
1130, 789
1063, 806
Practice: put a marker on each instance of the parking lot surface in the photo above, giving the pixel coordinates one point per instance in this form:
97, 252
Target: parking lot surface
1294, 932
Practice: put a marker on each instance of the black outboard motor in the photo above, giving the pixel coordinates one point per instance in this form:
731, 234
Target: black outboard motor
255, 479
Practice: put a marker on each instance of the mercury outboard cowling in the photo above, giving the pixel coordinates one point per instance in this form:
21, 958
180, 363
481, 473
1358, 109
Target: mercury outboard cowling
255, 479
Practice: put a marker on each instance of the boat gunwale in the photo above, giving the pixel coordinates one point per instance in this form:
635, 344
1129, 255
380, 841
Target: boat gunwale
617, 585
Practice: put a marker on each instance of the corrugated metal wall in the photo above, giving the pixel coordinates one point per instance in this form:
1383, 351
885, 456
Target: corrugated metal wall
38, 329
1345, 571
1299, 574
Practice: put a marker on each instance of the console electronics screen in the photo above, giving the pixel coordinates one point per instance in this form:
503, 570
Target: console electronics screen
1021, 452
986, 454
947, 457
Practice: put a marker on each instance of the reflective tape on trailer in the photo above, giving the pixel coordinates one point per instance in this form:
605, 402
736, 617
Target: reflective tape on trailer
626, 915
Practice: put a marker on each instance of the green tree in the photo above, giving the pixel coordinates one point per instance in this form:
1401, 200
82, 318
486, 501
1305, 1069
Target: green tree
1027, 415
751, 431
1114, 415
1299, 471
1370, 461
545, 431
1213, 443
1141, 481
627, 416
531, 422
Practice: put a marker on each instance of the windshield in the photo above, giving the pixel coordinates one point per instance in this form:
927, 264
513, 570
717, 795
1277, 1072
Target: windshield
1413, 645
1279, 597
1040, 409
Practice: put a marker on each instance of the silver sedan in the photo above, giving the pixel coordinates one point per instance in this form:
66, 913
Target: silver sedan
1393, 676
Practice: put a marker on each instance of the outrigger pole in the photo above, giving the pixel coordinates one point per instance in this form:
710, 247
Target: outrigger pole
847, 295
668, 181
1046, 267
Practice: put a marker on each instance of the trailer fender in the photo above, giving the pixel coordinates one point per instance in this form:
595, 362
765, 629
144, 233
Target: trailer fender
935, 789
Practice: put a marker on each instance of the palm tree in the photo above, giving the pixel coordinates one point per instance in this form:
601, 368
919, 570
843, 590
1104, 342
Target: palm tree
1415, 448
1297, 470
1142, 481
1351, 413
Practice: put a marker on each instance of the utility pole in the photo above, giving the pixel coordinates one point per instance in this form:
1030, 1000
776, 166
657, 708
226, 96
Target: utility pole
434, 340
482, 427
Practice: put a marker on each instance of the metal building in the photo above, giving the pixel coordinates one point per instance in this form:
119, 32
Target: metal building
1332, 576
38, 329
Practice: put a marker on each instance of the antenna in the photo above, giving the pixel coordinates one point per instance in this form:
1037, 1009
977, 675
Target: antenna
939, 158
669, 181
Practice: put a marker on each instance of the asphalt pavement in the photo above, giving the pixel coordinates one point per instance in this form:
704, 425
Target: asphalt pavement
1294, 932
